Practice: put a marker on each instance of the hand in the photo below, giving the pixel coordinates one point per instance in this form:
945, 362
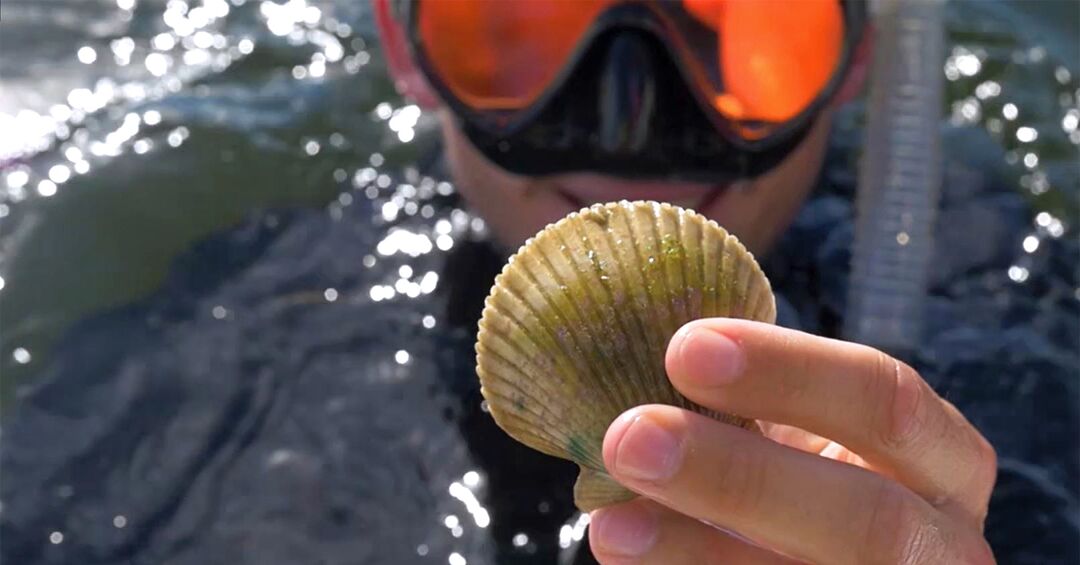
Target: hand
861, 462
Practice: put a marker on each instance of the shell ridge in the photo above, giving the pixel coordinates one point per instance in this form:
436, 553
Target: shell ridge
494, 381
581, 371
530, 354
673, 277
667, 323
508, 344
712, 267
725, 282
557, 441
666, 319
758, 309
688, 280
564, 362
576, 325
673, 216
623, 279
639, 385
639, 272
610, 364
536, 407
765, 296
580, 366
696, 264
551, 346
744, 278
595, 489
623, 368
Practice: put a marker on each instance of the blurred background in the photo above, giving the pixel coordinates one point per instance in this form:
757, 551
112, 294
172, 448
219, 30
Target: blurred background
169, 164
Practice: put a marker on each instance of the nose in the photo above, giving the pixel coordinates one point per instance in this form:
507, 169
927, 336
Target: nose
627, 93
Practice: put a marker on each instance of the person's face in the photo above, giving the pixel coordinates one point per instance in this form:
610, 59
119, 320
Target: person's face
516, 207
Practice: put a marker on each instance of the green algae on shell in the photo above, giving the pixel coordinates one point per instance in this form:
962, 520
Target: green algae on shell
576, 325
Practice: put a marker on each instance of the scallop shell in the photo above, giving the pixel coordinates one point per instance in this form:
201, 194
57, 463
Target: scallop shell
575, 328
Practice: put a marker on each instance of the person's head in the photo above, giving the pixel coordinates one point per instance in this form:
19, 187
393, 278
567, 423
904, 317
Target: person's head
547, 106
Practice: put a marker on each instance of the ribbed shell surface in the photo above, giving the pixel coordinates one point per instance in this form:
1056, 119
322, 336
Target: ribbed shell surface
575, 328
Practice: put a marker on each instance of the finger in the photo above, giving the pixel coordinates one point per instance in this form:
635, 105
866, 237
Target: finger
794, 437
800, 504
643, 532
811, 443
857, 396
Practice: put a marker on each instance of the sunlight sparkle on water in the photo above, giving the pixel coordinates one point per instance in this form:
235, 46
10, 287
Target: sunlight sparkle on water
163, 41
382, 292
429, 282
59, 174
1018, 274
158, 64
404, 241
86, 55
570, 533
1071, 120
384, 110
472, 505
17, 179
1026, 134
987, 89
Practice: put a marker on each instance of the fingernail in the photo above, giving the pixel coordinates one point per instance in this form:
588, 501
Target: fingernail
645, 451
711, 357
628, 530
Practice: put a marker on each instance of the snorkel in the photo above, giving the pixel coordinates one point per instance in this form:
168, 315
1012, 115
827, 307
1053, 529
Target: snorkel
899, 180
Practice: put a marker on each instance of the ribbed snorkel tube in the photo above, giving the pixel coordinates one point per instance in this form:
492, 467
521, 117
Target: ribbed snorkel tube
900, 177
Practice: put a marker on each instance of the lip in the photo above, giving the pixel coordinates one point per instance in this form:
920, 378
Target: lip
585, 189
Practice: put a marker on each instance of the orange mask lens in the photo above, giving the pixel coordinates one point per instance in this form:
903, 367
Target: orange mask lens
502, 54
775, 56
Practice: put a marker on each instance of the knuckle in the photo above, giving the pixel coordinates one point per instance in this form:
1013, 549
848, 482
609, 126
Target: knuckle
987, 455
903, 389
981, 461
900, 531
982, 554
986, 468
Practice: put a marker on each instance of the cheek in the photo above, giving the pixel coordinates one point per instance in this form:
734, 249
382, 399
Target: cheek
514, 207
760, 213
